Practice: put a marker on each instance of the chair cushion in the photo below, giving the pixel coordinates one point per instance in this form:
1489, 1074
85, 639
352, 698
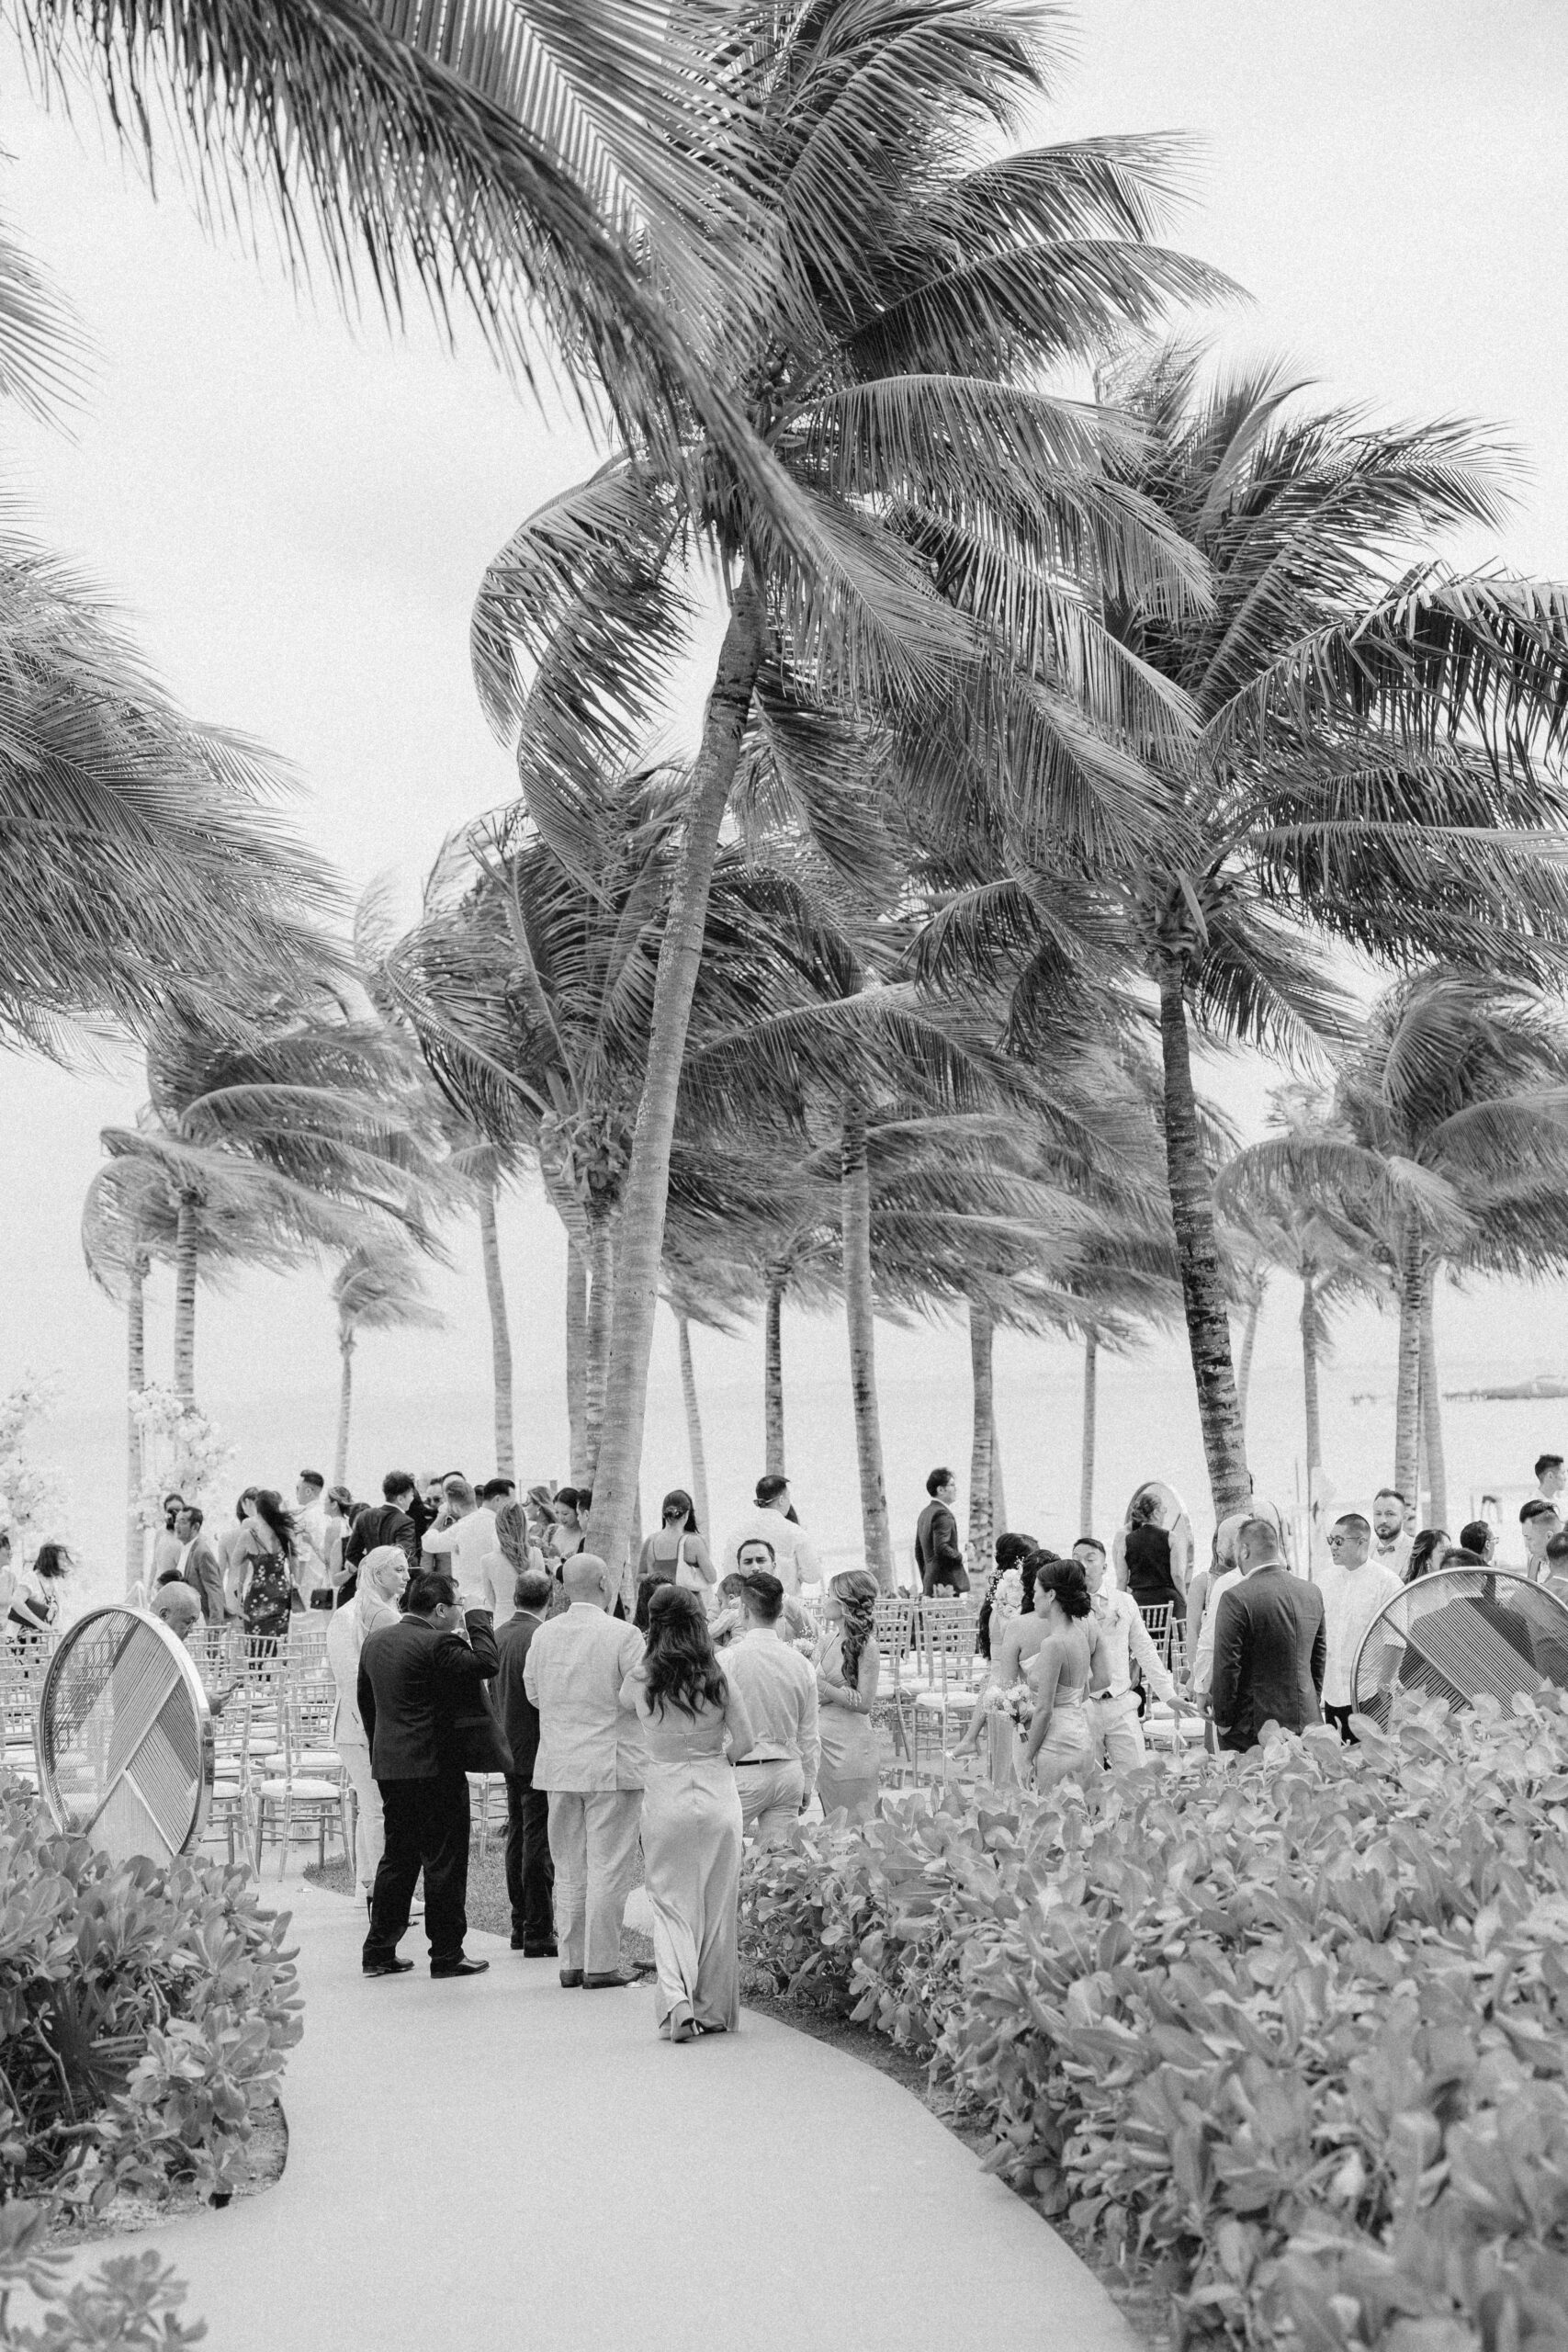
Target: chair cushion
313, 1792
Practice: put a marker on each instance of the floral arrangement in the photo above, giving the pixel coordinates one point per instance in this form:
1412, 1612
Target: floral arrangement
182, 1451
1020, 1703
1007, 1602
30, 1496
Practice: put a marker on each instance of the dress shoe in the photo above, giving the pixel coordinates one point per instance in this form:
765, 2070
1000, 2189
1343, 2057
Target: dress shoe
461, 1966
602, 1981
394, 1967
572, 1978
533, 1951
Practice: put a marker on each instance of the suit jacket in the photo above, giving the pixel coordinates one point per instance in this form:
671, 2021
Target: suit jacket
937, 1548
573, 1672
205, 1576
417, 1687
518, 1715
385, 1523
1270, 1646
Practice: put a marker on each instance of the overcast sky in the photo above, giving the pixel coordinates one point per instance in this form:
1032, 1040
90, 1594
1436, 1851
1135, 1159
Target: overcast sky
295, 515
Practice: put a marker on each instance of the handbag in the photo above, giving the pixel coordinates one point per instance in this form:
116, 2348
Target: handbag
686, 1575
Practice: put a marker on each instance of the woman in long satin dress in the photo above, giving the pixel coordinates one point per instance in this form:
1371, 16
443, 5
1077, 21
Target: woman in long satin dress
691, 1816
848, 1668
1071, 1659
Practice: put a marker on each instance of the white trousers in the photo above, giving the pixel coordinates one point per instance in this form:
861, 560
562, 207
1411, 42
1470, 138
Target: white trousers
1115, 1733
769, 1797
369, 1834
593, 1847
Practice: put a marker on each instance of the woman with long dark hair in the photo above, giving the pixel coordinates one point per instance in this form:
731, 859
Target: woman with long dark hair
264, 1566
849, 1667
1072, 1657
1146, 1554
675, 1553
1427, 1553
691, 1816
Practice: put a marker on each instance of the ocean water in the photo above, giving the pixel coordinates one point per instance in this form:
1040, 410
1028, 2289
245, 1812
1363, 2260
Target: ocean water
1148, 1426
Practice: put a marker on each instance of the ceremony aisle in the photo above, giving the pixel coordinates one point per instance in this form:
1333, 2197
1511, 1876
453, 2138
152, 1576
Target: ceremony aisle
502, 2163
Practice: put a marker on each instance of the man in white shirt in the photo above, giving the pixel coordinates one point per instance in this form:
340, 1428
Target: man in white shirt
1550, 1480
777, 1775
589, 1760
1391, 1544
1116, 1736
310, 1527
793, 1548
464, 1543
1354, 1588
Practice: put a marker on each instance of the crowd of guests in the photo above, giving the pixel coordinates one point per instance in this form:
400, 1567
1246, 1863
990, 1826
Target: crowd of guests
706, 1714
695, 1701
1252, 1641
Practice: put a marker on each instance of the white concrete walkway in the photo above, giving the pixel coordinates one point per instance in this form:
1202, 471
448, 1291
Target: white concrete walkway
502, 2164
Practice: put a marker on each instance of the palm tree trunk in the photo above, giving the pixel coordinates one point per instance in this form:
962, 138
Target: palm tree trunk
1310, 1336
773, 1379
998, 1492
982, 1498
1432, 1407
1197, 1244
855, 1193
600, 1318
185, 1298
577, 1361
1086, 1476
1407, 1402
1248, 1342
693, 1427
500, 1335
648, 1178
345, 1403
135, 1381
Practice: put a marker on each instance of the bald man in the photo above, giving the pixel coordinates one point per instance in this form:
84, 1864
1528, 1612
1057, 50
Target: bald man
589, 1761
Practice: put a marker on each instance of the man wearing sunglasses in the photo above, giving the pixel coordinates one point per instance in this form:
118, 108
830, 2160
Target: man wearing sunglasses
1354, 1587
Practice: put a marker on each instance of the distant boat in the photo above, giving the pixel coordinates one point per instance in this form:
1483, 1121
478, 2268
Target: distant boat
1543, 1384
1365, 1396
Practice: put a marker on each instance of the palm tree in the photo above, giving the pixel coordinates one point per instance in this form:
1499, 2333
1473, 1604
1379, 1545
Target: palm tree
523, 164
1458, 1099
121, 819
378, 1287
118, 815
897, 392
131, 1219
306, 1132
1270, 1196
1374, 764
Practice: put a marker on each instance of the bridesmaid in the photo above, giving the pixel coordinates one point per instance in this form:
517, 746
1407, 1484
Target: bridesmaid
691, 1816
848, 1670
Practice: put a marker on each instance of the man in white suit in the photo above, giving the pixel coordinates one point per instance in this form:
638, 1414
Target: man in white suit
589, 1761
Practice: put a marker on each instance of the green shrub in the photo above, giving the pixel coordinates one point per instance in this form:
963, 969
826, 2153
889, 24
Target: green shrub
1290, 2029
145, 2015
130, 2303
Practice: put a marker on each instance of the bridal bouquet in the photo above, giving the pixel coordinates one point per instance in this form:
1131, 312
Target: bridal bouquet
1019, 1705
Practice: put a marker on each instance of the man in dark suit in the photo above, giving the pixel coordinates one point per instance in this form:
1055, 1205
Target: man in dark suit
938, 1557
198, 1564
418, 1680
530, 1873
390, 1521
1271, 1644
